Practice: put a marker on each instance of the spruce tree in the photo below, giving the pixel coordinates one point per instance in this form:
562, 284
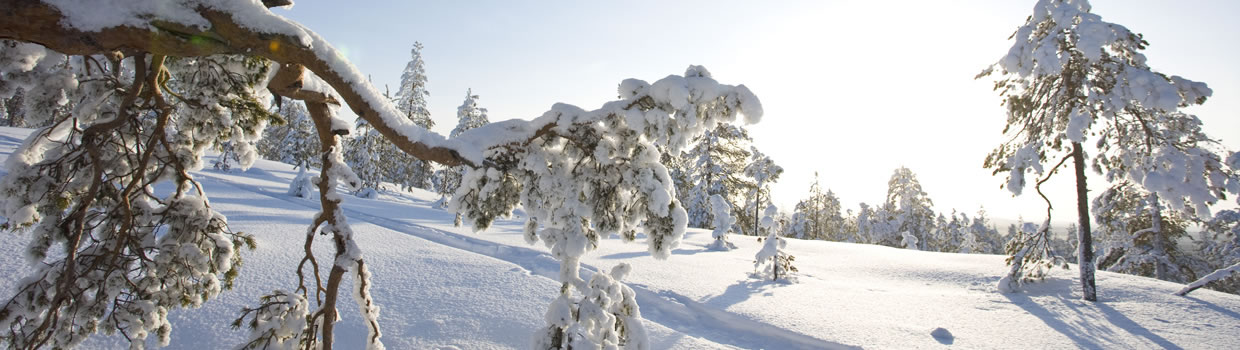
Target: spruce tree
364, 154
469, 116
294, 141
408, 171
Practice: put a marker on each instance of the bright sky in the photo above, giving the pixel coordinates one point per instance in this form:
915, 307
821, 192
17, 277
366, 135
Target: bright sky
852, 89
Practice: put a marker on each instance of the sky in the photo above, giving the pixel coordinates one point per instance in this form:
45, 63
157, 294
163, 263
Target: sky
852, 89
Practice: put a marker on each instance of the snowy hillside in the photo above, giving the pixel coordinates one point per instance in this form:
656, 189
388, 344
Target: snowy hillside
445, 287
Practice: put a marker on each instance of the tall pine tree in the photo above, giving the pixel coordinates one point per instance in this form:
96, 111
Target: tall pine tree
717, 160
762, 172
406, 170
468, 116
1071, 79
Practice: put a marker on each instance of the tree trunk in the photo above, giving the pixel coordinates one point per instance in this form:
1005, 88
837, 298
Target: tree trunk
1085, 253
756, 220
320, 113
1160, 269
775, 263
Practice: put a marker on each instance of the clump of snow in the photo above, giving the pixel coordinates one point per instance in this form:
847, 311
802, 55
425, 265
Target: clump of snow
301, 185
1078, 122
1023, 160
1007, 284
908, 240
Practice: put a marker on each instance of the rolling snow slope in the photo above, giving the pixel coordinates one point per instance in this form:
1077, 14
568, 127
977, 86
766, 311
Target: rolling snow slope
445, 287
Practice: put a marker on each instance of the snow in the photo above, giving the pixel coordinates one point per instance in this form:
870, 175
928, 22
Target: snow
441, 286
125, 13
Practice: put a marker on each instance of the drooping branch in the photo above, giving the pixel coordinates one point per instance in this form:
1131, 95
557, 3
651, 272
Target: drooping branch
41, 23
290, 82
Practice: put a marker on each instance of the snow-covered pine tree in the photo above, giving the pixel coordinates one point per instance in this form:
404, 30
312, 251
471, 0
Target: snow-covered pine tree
819, 216
1145, 237
717, 159
1219, 248
13, 109
81, 184
797, 222
28, 103
1070, 242
468, 116
679, 168
1030, 255
609, 306
949, 232
724, 222
912, 207
864, 223
408, 171
762, 172
985, 234
773, 254
364, 153
880, 225
970, 243
1071, 78
293, 142
551, 165
574, 181
228, 156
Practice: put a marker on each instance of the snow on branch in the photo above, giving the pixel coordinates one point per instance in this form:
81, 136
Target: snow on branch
200, 28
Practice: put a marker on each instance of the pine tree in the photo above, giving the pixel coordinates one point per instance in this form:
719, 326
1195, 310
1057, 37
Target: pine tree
1145, 238
1219, 247
293, 142
1071, 78
819, 216
408, 171
364, 154
949, 234
723, 224
717, 160
814, 210
971, 241
986, 235
469, 116
773, 254
912, 207
879, 225
864, 223
82, 184
762, 172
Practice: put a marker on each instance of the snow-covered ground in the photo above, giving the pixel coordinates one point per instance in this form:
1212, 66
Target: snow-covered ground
441, 286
